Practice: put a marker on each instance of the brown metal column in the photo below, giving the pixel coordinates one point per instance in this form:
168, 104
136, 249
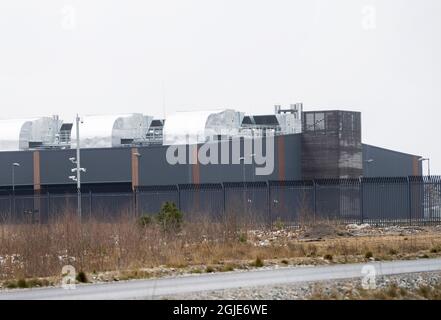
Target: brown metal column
196, 178
135, 168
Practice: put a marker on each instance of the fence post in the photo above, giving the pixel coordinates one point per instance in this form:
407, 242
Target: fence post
178, 190
409, 195
268, 195
224, 208
10, 207
90, 204
361, 200
48, 213
314, 196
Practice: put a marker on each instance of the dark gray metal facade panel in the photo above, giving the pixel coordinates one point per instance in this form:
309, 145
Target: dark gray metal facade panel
389, 163
293, 157
102, 165
286, 164
24, 175
331, 144
154, 169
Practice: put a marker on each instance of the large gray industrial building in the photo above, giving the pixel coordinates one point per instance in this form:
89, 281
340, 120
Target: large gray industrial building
123, 152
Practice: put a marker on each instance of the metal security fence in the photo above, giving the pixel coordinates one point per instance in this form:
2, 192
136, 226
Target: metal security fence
246, 202
202, 201
404, 200
291, 200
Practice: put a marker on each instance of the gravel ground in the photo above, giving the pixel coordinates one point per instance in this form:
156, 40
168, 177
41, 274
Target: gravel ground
405, 286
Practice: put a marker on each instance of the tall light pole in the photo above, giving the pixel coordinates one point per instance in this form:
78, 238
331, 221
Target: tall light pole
428, 164
430, 184
244, 182
78, 168
14, 165
368, 163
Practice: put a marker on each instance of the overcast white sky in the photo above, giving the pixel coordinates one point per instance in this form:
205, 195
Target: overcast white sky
382, 58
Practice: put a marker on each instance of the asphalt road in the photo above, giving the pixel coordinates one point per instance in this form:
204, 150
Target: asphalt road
153, 289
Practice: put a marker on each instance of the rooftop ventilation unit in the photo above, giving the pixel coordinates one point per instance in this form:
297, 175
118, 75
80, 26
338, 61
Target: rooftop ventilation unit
190, 127
108, 131
25, 134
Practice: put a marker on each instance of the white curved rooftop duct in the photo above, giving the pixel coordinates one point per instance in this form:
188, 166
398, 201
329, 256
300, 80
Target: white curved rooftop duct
23, 134
107, 131
190, 127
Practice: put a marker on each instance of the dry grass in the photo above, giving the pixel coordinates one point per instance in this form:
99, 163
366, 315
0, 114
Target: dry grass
391, 292
34, 251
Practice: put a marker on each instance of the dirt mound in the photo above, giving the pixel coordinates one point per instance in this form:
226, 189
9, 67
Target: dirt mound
322, 230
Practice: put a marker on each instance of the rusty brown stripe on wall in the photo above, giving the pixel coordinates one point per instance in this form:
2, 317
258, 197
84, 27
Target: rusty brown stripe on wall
37, 177
135, 168
281, 145
416, 171
195, 167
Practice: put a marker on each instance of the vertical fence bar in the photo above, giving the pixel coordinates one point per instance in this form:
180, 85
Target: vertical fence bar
409, 195
48, 207
268, 196
10, 208
178, 190
314, 198
361, 200
90, 204
224, 208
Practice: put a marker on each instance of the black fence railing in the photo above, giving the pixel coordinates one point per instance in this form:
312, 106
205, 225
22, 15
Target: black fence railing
404, 200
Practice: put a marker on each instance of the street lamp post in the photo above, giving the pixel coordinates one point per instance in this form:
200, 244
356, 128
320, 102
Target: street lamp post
244, 182
135, 190
78, 168
428, 164
430, 184
368, 163
14, 165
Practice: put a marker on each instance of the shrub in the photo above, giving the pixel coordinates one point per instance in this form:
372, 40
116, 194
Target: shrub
279, 224
403, 292
435, 249
37, 283
228, 267
10, 284
328, 257
393, 252
425, 291
392, 291
196, 271
258, 263
311, 250
145, 220
21, 283
81, 277
209, 269
169, 218
243, 238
